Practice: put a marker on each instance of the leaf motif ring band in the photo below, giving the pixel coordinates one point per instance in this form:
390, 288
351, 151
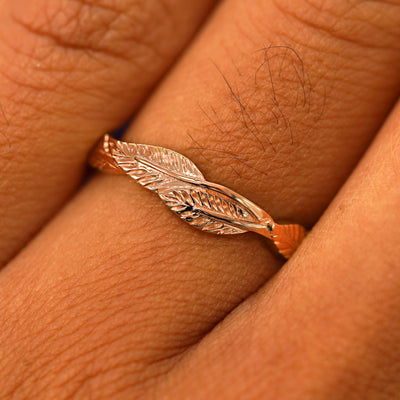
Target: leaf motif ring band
179, 183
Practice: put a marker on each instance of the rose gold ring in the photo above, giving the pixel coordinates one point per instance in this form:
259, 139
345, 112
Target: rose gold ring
179, 183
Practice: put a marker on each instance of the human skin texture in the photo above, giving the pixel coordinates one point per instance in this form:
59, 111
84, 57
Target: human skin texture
70, 69
278, 100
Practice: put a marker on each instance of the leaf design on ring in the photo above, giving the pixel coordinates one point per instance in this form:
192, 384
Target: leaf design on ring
128, 155
204, 210
179, 183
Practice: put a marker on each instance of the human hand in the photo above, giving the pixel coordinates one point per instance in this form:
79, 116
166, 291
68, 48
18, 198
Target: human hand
117, 298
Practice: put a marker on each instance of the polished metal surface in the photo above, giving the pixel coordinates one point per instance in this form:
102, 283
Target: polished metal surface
179, 183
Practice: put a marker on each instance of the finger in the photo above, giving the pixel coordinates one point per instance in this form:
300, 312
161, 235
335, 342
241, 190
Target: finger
327, 326
117, 251
282, 104
69, 70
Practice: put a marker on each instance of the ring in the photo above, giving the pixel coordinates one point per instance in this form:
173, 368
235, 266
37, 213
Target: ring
178, 182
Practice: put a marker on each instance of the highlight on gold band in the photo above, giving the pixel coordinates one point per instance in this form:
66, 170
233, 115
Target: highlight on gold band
178, 182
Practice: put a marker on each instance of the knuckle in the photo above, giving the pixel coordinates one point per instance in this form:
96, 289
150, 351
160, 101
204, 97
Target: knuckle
74, 45
55, 33
68, 24
50, 44
364, 23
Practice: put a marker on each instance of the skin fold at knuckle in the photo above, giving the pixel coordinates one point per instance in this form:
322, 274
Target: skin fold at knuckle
60, 44
79, 25
360, 23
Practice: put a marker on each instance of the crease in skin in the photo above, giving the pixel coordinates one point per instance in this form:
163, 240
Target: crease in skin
71, 70
2, 133
277, 119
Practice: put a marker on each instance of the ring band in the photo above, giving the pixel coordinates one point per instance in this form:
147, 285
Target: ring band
179, 183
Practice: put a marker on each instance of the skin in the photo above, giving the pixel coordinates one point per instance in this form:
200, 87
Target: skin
116, 297
71, 69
